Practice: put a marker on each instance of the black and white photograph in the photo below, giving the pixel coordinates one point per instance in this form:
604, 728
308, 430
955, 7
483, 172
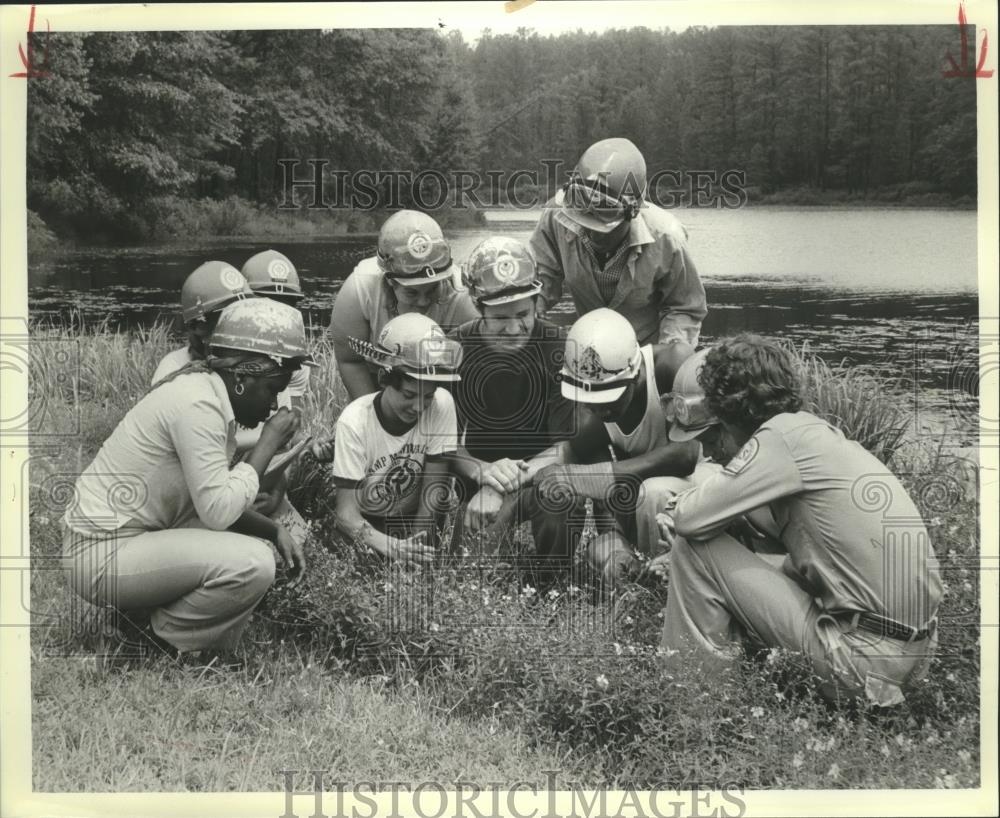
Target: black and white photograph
564, 409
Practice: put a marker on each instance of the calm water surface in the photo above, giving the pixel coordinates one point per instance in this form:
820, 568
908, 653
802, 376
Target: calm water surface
892, 288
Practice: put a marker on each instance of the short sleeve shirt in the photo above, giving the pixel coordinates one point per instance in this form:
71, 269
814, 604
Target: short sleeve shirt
387, 469
363, 307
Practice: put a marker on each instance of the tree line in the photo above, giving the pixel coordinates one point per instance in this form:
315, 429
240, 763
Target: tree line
129, 122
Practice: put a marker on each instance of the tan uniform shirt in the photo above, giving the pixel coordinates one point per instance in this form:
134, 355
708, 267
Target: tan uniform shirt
854, 537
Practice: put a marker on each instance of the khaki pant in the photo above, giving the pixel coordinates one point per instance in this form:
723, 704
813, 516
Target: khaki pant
720, 592
201, 584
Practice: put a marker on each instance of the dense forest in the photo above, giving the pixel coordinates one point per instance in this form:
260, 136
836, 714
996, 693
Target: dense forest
130, 127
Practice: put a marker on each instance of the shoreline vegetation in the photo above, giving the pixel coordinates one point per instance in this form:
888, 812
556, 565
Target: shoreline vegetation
463, 671
148, 135
181, 220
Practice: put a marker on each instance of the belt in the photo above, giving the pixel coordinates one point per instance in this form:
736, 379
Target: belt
882, 626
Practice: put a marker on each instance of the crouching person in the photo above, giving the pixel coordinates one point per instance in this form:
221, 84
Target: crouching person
511, 412
390, 464
160, 519
204, 294
620, 456
857, 594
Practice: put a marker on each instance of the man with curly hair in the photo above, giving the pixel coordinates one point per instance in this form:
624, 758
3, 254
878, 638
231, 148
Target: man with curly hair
858, 592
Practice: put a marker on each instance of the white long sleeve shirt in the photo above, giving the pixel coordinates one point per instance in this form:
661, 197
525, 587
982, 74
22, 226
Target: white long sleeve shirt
166, 461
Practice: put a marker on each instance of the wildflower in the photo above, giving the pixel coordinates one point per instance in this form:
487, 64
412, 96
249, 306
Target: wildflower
800, 724
629, 620
798, 760
935, 521
618, 649
553, 594
602, 682
772, 656
834, 771
528, 591
756, 712
950, 677
434, 627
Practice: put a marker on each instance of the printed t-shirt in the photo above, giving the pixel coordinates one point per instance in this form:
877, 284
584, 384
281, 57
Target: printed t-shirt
387, 469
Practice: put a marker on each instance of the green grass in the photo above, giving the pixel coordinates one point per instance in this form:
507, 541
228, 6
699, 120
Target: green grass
386, 673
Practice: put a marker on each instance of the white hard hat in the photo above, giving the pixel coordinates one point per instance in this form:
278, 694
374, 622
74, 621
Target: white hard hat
416, 345
602, 357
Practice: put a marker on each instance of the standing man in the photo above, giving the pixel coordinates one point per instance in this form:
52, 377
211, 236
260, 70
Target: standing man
614, 249
858, 593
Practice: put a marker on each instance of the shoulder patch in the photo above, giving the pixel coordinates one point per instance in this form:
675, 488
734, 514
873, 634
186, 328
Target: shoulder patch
743, 457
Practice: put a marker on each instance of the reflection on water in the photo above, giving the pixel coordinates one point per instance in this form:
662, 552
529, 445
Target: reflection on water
893, 288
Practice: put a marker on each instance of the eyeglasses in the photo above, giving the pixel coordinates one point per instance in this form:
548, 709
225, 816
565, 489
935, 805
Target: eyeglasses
688, 412
599, 202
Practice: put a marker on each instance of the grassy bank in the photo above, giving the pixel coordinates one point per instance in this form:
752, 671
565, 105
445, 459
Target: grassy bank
387, 673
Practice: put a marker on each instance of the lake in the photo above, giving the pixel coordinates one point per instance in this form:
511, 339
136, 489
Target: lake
893, 288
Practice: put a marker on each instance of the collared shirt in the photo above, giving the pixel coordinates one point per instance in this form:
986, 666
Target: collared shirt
660, 292
855, 540
608, 274
246, 439
166, 461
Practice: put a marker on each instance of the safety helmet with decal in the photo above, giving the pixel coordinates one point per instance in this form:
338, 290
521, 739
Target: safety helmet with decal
415, 345
265, 326
500, 270
684, 407
271, 273
412, 249
211, 287
607, 187
602, 357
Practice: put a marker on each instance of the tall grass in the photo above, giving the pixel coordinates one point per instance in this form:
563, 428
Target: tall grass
562, 678
865, 403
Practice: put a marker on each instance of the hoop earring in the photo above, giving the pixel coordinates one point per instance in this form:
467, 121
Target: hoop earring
239, 389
